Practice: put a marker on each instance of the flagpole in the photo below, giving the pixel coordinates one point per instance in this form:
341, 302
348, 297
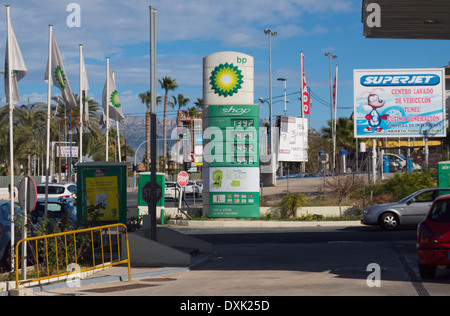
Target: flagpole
117, 126
107, 106
335, 98
11, 135
49, 96
80, 154
335, 112
301, 82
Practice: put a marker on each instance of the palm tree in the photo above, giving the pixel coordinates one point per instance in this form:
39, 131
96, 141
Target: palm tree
193, 113
344, 133
168, 84
30, 125
290, 202
179, 100
146, 98
199, 103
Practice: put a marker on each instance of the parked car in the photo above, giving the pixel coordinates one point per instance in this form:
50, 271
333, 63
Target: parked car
194, 187
5, 232
58, 208
171, 190
433, 238
398, 163
58, 190
410, 210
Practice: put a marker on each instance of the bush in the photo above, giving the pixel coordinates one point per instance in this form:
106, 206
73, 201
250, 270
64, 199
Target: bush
405, 184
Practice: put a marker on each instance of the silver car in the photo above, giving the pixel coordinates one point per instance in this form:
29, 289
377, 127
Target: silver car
410, 210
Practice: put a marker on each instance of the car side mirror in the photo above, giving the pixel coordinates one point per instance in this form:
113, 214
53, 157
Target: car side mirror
409, 201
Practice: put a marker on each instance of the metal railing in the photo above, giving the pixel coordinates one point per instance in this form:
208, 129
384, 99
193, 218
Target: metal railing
62, 246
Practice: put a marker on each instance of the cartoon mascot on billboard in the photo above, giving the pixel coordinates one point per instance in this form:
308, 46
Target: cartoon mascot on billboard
374, 118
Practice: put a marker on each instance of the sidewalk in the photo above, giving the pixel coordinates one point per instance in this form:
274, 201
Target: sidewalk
120, 273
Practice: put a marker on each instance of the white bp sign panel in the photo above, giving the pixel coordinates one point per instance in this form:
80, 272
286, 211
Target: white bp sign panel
293, 139
228, 179
228, 78
399, 103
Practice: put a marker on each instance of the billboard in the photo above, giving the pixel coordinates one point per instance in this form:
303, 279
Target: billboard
293, 139
102, 189
399, 103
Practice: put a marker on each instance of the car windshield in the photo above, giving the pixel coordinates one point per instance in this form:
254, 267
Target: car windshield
440, 211
51, 190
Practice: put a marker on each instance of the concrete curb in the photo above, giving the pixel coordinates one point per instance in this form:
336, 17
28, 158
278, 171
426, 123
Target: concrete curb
260, 224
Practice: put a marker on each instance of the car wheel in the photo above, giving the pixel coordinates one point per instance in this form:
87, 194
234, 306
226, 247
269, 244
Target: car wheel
426, 271
389, 221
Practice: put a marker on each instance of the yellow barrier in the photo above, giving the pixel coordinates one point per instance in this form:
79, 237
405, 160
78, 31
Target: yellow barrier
45, 239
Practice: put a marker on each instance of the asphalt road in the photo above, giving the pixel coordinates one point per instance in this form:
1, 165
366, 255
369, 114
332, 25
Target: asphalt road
333, 261
320, 261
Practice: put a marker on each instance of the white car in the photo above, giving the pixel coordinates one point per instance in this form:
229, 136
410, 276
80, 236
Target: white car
58, 190
171, 190
398, 163
194, 187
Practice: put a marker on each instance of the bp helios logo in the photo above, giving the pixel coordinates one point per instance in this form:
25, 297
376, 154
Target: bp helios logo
226, 79
115, 99
60, 77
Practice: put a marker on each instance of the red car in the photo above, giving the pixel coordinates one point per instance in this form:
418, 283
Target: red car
433, 238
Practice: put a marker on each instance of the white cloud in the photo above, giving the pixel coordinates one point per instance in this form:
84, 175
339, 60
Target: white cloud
111, 27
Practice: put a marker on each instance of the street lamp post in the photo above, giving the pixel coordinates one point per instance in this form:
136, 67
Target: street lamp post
284, 80
270, 33
333, 125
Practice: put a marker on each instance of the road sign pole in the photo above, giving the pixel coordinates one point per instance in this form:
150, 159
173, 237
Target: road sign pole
24, 232
182, 180
154, 162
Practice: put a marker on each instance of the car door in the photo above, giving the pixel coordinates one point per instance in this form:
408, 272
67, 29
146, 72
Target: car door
418, 207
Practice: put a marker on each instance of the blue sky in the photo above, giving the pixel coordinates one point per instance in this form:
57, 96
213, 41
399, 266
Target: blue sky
187, 31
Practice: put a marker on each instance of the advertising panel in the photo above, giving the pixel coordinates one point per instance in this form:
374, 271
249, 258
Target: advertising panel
399, 103
65, 151
293, 139
228, 179
102, 187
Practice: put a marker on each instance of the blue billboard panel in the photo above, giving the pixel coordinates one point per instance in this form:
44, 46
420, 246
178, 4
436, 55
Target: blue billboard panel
399, 103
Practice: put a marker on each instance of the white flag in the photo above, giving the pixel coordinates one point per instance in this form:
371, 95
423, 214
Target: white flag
17, 66
59, 77
84, 90
111, 97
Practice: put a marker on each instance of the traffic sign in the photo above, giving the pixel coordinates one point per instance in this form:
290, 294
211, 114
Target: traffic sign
27, 194
191, 157
147, 192
182, 178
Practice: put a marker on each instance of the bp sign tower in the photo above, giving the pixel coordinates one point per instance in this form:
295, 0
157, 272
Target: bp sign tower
231, 137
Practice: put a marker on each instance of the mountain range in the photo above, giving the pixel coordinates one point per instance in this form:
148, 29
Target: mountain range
136, 133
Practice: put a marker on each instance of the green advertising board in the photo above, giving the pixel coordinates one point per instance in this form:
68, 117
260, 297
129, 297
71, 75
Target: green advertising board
102, 187
236, 140
232, 157
444, 174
